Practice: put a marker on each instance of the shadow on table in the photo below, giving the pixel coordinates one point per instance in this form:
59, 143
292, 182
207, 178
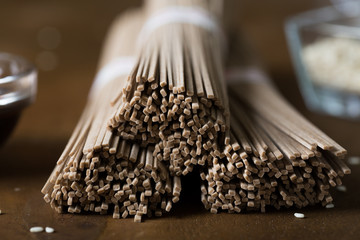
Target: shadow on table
29, 156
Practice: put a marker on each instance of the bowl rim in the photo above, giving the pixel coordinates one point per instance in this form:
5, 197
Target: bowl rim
29, 68
293, 25
23, 84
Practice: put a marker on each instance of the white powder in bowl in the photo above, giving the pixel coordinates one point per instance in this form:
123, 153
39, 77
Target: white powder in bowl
334, 62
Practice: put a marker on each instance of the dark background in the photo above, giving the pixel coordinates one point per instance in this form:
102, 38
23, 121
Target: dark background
30, 154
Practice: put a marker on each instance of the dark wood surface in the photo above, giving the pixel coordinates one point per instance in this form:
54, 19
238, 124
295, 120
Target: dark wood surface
30, 154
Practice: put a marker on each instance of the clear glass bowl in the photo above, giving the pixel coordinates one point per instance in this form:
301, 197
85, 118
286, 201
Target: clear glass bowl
18, 84
323, 45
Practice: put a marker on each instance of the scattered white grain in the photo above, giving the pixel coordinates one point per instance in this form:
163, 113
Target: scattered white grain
299, 215
354, 160
330, 205
49, 230
36, 229
341, 188
17, 189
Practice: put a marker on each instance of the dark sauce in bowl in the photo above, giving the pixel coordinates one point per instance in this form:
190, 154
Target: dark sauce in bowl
7, 125
18, 79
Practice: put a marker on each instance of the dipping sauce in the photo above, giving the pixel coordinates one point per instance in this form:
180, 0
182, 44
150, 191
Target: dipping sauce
18, 80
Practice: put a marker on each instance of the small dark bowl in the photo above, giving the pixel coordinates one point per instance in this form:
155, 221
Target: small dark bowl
18, 84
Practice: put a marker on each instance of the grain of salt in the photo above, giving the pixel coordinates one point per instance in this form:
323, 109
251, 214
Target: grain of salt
330, 205
36, 229
341, 188
299, 215
49, 230
354, 160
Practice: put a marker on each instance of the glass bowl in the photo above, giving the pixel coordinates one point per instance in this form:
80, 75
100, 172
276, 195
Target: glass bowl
325, 49
18, 84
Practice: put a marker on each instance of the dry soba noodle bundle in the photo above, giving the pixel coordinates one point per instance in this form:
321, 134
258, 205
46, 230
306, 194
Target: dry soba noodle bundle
276, 157
175, 97
171, 114
100, 172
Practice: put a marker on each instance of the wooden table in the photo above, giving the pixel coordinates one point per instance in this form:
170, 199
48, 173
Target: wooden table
29, 156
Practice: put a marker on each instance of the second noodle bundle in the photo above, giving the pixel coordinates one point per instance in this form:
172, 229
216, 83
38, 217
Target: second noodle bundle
276, 157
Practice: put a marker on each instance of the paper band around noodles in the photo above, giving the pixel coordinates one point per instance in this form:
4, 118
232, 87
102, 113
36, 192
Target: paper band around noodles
247, 75
180, 14
115, 68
